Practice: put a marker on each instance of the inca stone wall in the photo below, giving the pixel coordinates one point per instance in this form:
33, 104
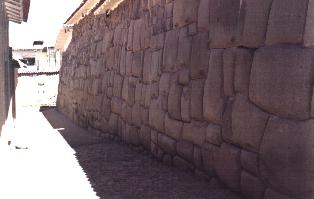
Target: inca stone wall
219, 87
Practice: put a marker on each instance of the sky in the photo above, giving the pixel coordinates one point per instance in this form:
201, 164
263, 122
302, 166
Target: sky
45, 19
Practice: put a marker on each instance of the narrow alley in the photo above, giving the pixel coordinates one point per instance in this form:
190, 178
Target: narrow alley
82, 164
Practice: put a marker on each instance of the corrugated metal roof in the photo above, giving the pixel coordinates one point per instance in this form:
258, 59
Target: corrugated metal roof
17, 10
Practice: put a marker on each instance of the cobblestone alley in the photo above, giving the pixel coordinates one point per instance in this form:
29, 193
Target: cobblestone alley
50, 168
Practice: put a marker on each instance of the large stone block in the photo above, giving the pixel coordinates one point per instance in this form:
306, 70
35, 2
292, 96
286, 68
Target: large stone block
229, 57
249, 162
185, 150
147, 66
228, 166
174, 101
199, 56
117, 87
194, 132
251, 186
256, 14
224, 25
136, 112
197, 94
185, 12
286, 22
173, 128
186, 104
116, 104
214, 99
281, 81
308, 37
203, 15
209, 152
167, 144
170, 51
137, 64
243, 63
144, 136
213, 134
164, 84
248, 124
157, 115
286, 157
155, 69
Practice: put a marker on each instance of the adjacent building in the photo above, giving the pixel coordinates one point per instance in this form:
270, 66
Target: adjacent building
14, 11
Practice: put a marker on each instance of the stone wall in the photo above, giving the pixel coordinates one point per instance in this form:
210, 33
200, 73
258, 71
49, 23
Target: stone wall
213, 86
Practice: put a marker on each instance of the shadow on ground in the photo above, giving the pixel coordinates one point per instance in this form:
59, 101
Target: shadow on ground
117, 171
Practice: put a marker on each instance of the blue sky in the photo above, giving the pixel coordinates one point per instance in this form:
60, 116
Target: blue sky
44, 22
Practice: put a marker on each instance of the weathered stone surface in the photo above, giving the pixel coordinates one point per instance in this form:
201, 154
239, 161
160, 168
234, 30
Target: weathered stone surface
137, 64
136, 112
145, 115
308, 38
170, 51
155, 69
197, 93
154, 136
174, 101
173, 128
194, 132
248, 124
117, 87
132, 134
116, 104
229, 57
185, 12
223, 23
147, 66
138, 92
186, 104
251, 186
249, 162
203, 15
209, 152
213, 134
144, 136
184, 76
286, 157
256, 14
197, 157
228, 166
182, 164
184, 48
213, 90
270, 194
281, 81
243, 63
164, 84
286, 22
167, 144
185, 150
113, 124
157, 115
199, 56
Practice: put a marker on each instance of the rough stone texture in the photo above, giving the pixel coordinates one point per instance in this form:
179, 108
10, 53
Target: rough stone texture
185, 12
174, 99
167, 144
213, 90
185, 150
213, 134
204, 73
249, 162
286, 22
286, 157
248, 124
223, 23
281, 81
194, 132
173, 128
251, 186
228, 166
256, 14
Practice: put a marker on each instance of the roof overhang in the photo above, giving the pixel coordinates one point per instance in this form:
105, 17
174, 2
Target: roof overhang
84, 9
17, 10
106, 6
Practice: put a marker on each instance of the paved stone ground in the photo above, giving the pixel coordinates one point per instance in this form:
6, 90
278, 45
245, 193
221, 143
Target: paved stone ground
117, 171
88, 166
